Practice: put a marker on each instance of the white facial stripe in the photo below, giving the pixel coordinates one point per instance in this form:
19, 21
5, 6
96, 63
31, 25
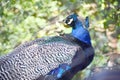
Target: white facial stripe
70, 21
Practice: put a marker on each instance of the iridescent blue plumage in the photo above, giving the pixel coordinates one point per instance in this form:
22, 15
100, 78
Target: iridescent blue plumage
80, 32
57, 72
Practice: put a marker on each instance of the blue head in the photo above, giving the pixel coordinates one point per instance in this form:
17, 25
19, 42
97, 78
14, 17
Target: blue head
79, 29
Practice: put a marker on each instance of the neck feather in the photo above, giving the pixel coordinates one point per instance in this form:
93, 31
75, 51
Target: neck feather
81, 33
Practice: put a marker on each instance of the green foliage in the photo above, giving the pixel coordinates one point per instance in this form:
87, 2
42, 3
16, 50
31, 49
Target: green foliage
25, 20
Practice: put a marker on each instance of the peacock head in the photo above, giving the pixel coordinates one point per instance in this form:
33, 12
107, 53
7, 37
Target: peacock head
73, 19
70, 20
79, 27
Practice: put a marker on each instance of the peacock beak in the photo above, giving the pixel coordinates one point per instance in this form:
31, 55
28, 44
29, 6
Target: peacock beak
65, 24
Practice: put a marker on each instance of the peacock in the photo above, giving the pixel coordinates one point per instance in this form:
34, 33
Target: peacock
51, 58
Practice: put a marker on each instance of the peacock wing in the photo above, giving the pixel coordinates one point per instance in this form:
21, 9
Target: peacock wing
37, 59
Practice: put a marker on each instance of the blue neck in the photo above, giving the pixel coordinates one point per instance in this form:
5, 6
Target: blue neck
81, 33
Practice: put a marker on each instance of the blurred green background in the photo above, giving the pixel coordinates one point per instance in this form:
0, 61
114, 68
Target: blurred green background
26, 20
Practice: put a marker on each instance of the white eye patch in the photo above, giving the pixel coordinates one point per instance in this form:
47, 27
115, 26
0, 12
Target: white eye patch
70, 21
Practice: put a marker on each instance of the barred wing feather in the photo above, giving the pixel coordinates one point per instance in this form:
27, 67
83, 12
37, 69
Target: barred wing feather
38, 58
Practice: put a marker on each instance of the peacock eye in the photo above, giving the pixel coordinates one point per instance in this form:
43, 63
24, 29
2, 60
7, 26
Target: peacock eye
69, 21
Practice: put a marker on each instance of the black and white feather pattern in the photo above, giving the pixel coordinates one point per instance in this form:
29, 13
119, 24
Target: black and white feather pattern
32, 59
